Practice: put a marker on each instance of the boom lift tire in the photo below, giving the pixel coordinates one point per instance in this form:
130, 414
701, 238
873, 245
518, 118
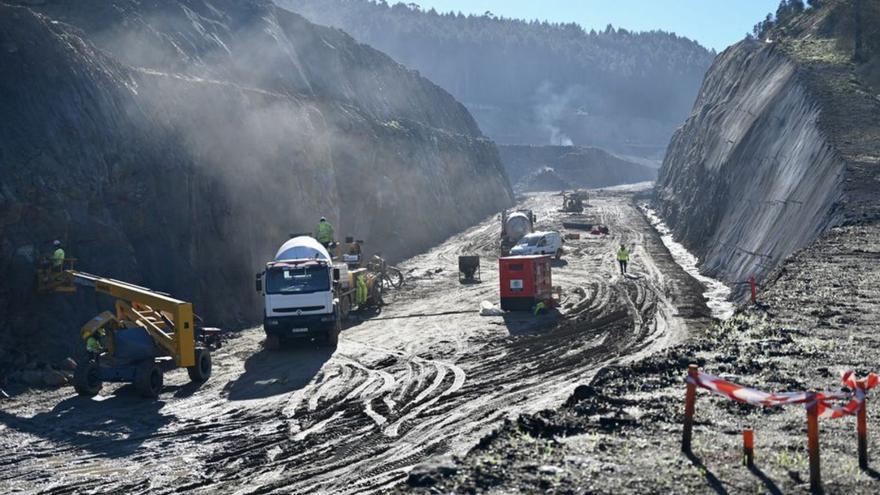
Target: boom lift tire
202, 370
87, 379
148, 379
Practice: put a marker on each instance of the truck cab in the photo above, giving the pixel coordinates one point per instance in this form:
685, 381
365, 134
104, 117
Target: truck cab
301, 291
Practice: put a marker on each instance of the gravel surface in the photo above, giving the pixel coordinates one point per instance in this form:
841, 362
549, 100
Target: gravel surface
621, 431
397, 392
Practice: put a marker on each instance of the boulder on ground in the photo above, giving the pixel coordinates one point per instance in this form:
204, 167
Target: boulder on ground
431, 472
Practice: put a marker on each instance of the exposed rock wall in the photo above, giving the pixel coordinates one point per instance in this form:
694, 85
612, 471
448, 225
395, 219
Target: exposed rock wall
781, 145
176, 144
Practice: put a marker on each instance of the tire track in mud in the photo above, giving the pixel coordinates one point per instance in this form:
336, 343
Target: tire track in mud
398, 391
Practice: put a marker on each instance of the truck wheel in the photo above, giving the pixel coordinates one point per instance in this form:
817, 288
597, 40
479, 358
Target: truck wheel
202, 369
148, 379
273, 343
332, 337
87, 379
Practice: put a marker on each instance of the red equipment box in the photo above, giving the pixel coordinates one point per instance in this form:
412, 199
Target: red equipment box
525, 281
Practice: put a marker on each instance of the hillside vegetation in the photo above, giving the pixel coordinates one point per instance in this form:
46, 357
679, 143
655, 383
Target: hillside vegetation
530, 82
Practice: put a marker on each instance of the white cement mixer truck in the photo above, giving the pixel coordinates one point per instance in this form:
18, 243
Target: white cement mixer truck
307, 295
514, 226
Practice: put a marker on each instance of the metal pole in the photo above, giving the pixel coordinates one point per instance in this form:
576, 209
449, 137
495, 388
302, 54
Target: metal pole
862, 428
813, 443
749, 447
689, 406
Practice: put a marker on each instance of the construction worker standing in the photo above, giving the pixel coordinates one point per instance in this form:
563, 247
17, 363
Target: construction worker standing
361, 290
623, 258
57, 257
324, 232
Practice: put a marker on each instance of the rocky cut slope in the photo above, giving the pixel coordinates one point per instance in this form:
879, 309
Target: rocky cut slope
176, 144
781, 145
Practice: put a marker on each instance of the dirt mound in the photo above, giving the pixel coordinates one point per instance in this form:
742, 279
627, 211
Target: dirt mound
554, 168
543, 179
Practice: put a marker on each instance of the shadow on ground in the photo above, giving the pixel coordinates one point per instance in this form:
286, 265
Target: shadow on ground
114, 426
269, 373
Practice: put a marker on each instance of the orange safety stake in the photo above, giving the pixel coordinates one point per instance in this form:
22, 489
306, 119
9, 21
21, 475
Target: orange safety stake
862, 428
749, 447
754, 286
689, 405
813, 443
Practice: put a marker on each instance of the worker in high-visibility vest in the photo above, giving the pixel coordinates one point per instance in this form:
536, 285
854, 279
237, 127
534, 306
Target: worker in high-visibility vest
541, 306
324, 232
57, 257
623, 258
361, 292
94, 346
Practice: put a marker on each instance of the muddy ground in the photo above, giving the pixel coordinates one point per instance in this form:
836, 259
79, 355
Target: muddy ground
621, 432
398, 391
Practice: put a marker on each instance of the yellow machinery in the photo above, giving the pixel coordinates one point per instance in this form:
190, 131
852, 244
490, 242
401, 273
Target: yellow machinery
150, 333
573, 202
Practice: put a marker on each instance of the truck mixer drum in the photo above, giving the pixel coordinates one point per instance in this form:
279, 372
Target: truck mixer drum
518, 225
469, 269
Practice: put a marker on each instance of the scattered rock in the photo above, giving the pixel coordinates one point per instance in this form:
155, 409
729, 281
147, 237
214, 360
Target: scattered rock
431, 472
68, 364
548, 469
52, 378
31, 377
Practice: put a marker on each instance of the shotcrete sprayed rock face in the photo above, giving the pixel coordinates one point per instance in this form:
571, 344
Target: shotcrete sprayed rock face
188, 140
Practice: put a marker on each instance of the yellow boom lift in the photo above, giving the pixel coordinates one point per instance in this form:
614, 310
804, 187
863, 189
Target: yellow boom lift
149, 334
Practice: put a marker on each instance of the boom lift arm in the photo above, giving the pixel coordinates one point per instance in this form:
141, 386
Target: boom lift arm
169, 323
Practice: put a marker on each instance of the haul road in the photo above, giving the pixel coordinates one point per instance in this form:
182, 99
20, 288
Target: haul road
396, 391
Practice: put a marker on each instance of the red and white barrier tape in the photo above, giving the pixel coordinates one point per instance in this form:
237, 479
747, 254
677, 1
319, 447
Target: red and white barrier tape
755, 397
860, 388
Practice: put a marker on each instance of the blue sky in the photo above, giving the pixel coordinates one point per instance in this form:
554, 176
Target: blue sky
714, 23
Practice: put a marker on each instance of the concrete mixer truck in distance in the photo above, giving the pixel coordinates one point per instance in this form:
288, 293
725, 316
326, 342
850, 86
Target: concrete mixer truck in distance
514, 226
308, 295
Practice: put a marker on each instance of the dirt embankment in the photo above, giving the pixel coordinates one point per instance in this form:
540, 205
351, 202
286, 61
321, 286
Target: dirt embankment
781, 146
176, 144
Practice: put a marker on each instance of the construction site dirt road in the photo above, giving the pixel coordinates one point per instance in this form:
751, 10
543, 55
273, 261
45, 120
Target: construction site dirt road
398, 390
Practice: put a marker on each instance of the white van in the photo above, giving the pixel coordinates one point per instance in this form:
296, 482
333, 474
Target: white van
539, 243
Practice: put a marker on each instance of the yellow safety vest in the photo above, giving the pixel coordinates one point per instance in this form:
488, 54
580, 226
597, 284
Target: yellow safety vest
58, 258
324, 232
94, 345
361, 293
540, 307
623, 255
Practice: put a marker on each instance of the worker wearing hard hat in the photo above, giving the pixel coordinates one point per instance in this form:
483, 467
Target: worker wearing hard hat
57, 257
623, 258
324, 232
94, 346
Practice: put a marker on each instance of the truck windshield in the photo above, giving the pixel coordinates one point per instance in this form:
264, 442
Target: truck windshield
530, 241
299, 280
